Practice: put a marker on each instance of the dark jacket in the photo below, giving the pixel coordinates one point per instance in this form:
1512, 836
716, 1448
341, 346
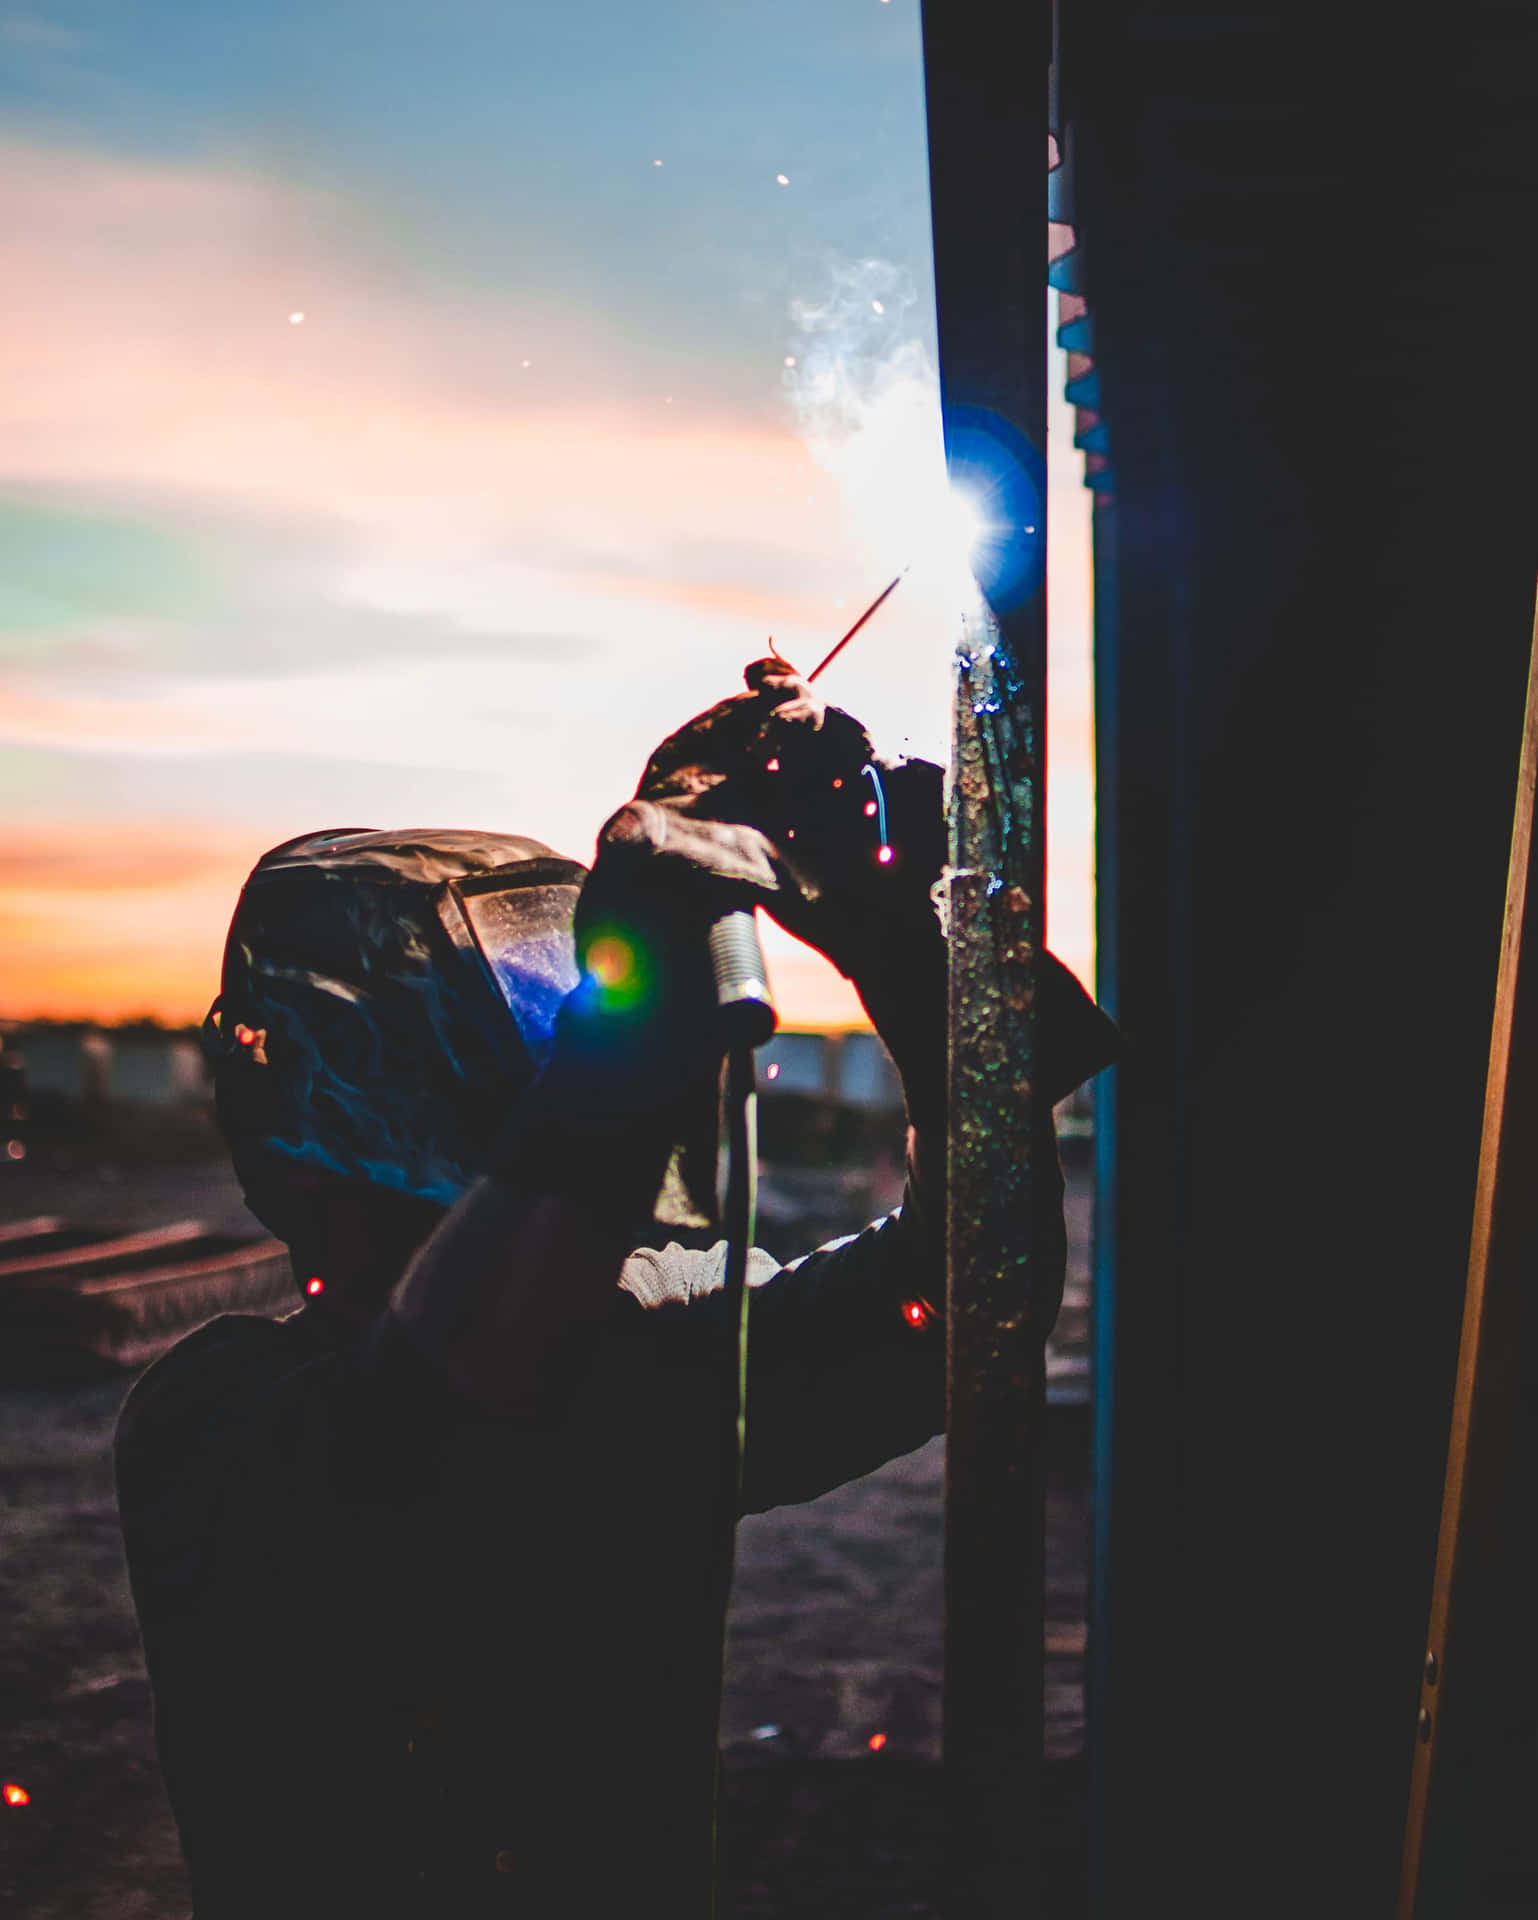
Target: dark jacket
410, 1660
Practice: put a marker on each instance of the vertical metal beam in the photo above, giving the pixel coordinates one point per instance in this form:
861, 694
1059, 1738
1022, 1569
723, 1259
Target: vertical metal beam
986, 71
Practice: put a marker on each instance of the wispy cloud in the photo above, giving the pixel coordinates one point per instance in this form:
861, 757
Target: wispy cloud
374, 536
384, 477
149, 344
27, 36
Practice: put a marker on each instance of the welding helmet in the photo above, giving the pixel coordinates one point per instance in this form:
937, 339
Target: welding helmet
385, 999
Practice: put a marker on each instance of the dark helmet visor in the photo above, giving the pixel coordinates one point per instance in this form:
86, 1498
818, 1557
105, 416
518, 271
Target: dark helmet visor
519, 929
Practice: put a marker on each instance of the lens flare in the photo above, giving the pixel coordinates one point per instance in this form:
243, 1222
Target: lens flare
611, 961
616, 968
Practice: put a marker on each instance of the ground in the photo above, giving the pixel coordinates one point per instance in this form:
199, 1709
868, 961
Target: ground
835, 1638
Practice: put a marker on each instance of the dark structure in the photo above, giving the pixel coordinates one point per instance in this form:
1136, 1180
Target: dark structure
1294, 247
1304, 238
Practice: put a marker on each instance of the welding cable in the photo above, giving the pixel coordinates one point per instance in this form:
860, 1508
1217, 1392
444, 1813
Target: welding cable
884, 849
742, 996
741, 1101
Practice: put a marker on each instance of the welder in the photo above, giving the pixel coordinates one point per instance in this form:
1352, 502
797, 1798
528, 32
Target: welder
432, 1574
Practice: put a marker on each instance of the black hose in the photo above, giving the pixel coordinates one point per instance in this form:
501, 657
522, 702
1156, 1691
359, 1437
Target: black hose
742, 995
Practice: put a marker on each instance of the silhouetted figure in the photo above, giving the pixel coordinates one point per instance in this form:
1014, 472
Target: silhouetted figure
431, 1574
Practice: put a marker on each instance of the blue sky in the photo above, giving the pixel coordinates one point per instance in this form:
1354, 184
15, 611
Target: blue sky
392, 440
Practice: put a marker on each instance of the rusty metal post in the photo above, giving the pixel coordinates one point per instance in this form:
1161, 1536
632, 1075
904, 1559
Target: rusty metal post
986, 72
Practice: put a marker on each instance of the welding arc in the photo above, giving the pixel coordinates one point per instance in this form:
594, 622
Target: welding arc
828, 659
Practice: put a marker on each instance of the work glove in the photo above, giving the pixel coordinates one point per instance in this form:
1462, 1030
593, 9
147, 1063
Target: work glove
861, 839
641, 1027
630, 1083
862, 843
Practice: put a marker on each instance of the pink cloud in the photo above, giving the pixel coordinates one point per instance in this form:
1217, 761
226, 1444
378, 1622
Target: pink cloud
146, 344
147, 358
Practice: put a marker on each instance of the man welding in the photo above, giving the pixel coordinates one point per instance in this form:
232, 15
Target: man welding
432, 1574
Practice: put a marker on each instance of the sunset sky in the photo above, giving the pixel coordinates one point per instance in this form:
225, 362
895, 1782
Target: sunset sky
412, 414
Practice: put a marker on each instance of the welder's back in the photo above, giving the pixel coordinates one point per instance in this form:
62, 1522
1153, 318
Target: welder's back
407, 1662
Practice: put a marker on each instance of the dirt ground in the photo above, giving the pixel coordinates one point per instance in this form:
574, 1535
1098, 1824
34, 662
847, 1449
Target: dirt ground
835, 1639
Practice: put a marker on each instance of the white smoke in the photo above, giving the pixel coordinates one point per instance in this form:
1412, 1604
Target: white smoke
865, 393
866, 396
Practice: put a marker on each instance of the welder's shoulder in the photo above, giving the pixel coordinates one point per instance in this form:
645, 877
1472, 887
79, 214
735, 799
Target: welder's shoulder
207, 1376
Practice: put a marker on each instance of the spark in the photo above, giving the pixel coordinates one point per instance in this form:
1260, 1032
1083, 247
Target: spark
870, 809
790, 359
772, 1071
656, 163
15, 1149
528, 363
918, 1313
876, 1742
783, 179
876, 307
296, 319
315, 1284
771, 766
15, 1796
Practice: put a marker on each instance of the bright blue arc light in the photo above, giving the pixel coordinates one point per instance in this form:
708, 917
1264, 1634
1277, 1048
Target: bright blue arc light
1002, 479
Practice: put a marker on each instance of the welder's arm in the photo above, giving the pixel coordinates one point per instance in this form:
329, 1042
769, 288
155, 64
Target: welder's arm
847, 1347
505, 1295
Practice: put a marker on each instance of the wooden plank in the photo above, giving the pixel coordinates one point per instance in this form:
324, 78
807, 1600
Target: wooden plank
117, 1321
35, 1228
227, 1259
96, 1251
1463, 1681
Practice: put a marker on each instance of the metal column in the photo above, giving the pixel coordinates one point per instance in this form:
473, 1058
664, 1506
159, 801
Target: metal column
986, 70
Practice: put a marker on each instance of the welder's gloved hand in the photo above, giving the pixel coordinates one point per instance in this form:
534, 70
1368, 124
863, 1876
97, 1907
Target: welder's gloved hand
640, 1031
864, 843
863, 838
633, 1069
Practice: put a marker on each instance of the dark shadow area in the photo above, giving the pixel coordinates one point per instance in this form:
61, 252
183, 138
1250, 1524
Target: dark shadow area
835, 1636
